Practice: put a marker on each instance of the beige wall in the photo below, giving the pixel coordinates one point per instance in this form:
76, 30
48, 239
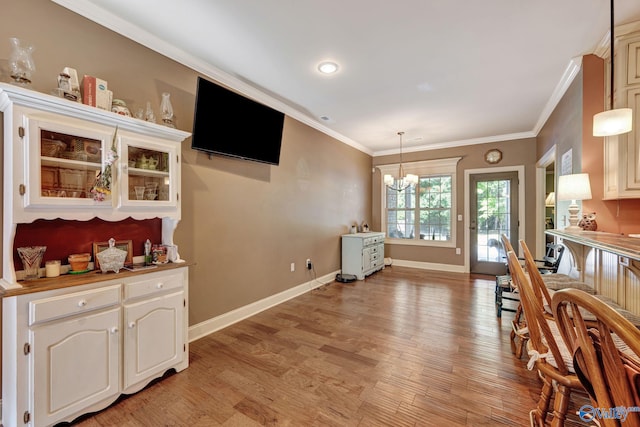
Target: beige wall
564, 126
517, 152
243, 223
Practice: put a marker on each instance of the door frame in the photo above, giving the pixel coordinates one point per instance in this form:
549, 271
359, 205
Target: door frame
467, 205
541, 183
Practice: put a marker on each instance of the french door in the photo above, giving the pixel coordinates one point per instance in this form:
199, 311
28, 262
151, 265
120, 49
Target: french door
493, 212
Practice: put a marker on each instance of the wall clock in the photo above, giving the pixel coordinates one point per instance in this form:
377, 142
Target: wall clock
493, 156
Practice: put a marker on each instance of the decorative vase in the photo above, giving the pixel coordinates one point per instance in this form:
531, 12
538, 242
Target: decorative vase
31, 257
166, 110
21, 64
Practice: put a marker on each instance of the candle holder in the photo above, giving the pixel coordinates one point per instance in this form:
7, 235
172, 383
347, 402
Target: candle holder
31, 257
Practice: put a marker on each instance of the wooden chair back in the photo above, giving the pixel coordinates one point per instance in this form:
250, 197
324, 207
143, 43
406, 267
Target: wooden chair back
542, 340
506, 243
605, 356
540, 289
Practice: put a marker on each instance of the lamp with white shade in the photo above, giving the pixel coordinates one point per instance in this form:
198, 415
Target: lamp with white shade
550, 201
573, 187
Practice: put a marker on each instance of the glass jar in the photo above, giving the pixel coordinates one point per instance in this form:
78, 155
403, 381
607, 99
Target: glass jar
166, 110
21, 65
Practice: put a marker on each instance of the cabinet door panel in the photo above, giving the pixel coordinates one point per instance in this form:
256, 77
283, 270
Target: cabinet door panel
154, 338
63, 159
150, 171
75, 365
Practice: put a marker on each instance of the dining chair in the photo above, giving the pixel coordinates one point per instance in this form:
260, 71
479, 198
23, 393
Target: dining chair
551, 261
519, 333
606, 357
547, 351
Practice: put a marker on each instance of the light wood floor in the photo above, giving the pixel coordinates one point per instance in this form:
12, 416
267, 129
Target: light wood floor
405, 347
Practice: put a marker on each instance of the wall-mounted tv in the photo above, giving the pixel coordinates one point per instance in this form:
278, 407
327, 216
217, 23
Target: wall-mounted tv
230, 124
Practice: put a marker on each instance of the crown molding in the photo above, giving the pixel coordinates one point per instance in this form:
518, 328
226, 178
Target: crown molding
135, 33
459, 143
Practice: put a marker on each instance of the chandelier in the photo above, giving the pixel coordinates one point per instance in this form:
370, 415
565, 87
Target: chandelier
403, 181
613, 121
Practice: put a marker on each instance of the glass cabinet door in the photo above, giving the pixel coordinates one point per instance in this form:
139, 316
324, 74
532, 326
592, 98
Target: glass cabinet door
148, 177
63, 164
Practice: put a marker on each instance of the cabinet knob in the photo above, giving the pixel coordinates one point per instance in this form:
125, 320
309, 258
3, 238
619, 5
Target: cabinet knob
114, 330
132, 325
82, 303
160, 285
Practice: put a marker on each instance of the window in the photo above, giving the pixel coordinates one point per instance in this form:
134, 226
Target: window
421, 214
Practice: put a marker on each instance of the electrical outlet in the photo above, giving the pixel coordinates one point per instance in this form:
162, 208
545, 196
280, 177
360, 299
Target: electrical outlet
293, 267
458, 251
308, 264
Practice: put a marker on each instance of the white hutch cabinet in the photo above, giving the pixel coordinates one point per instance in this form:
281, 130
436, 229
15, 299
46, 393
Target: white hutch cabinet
72, 344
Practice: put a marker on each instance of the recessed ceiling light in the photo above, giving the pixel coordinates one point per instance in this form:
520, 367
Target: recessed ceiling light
327, 67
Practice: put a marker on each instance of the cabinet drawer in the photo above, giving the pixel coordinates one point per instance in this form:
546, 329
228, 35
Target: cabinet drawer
70, 304
159, 283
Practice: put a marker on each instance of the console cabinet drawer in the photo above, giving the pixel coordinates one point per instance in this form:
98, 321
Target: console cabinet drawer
160, 282
46, 309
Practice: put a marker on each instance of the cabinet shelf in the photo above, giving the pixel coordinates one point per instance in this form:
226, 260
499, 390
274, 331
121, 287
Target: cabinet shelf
68, 163
147, 172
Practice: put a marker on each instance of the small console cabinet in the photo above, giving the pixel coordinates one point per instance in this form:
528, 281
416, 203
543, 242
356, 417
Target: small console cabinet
362, 253
72, 344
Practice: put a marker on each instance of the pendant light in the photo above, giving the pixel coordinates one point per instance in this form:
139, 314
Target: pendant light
614, 121
403, 181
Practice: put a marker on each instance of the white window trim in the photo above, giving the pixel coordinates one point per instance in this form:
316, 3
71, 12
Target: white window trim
446, 166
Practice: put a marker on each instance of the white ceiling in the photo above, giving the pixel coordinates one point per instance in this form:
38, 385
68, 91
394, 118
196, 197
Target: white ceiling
446, 72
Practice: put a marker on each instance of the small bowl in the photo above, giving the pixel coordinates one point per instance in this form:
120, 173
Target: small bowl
79, 262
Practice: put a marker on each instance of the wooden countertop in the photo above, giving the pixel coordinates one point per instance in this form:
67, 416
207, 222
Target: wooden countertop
69, 280
615, 243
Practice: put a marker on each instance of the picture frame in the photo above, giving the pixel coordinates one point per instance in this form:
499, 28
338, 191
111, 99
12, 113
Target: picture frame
125, 245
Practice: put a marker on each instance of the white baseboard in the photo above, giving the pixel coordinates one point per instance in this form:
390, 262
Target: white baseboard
215, 324
429, 266
227, 319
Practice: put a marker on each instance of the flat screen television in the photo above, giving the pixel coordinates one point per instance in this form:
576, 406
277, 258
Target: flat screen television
230, 124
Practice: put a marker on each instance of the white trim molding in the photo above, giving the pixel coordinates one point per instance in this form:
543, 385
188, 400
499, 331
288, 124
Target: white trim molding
423, 168
450, 268
541, 183
212, 325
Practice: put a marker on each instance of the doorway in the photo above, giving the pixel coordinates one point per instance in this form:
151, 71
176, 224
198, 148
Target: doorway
493, 212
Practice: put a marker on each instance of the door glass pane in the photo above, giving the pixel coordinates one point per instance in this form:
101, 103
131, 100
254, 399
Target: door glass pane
493, 218
69, 164
148, 174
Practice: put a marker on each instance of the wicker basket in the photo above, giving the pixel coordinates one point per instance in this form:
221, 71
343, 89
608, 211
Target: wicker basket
51, 148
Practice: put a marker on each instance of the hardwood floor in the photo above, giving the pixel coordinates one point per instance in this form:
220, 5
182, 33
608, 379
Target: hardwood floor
405, 347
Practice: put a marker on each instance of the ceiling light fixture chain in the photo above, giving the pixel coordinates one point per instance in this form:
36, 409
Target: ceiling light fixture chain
404, 181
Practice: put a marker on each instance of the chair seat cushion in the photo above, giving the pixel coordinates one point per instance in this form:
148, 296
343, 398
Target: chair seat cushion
554, 282
567, 358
